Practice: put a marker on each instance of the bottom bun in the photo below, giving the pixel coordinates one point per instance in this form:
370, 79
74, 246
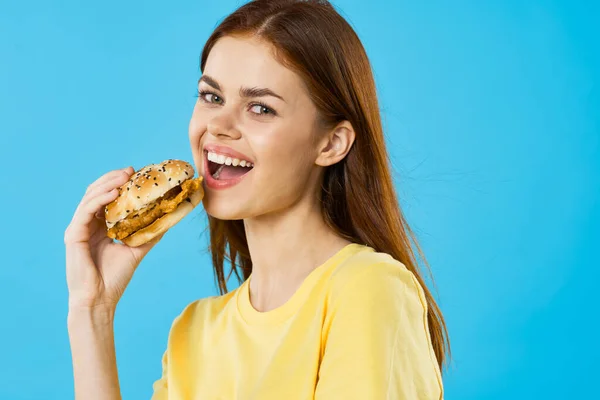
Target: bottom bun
165, 222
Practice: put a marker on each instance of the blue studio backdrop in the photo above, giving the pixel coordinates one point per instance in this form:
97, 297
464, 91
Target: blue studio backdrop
491, 112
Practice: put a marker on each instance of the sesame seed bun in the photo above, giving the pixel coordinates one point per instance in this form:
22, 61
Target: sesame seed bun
154, 199
146, 186
164, 223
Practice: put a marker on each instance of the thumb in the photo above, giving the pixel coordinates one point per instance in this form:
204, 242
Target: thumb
142, 250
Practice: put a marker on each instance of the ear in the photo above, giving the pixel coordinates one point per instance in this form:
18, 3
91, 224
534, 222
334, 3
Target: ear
336, 144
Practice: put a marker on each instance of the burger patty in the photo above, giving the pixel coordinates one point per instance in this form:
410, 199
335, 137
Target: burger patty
161, 206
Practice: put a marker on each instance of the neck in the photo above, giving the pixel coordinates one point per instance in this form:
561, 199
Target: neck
285, 247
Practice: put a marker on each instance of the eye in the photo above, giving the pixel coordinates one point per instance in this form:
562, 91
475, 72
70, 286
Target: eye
206, 97
262, 109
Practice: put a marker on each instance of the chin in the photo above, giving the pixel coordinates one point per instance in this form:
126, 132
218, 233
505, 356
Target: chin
223, 209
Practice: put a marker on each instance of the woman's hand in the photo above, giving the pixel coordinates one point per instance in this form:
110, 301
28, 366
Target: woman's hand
98, 269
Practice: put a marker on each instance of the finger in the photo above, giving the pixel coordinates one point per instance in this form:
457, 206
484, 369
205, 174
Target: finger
97, 203
75, 229
78, 229
108, 176
140, 251
107, 186
114, 183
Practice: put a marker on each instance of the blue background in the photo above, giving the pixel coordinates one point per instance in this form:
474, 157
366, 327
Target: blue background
492, 118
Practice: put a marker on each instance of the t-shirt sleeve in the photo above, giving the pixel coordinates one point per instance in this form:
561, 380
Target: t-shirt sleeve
376, 340
160, 389
161, 386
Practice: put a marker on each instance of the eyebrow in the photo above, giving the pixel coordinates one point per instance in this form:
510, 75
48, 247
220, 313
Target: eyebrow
244, 91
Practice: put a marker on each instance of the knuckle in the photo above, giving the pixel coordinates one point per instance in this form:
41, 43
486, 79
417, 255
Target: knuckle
88, 206
67, 235
84, 200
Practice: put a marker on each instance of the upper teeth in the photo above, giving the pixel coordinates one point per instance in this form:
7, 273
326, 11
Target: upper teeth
221, 159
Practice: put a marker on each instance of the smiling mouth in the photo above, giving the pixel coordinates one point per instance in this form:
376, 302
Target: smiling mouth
223, 169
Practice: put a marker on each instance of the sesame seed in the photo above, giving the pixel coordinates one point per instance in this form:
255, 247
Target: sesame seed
169, 179
155, 184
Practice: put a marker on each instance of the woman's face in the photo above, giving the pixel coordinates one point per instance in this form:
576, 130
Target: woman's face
251, 106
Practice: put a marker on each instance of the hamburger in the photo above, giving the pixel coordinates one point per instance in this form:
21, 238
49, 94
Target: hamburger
152, 201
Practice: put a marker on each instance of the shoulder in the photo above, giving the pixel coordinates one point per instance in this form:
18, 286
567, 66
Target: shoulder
202, 310
372, 270
369, 275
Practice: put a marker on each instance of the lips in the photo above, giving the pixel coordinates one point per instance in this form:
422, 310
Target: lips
225, 178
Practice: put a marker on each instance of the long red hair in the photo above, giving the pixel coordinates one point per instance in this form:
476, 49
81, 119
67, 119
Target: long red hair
358, 196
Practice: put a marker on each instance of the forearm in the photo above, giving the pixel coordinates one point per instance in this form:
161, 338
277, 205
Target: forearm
91, 334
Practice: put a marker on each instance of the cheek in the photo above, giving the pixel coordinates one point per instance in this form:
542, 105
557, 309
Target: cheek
197, 126
289, 163
196, 129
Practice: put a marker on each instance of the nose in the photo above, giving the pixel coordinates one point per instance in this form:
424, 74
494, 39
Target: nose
223, 126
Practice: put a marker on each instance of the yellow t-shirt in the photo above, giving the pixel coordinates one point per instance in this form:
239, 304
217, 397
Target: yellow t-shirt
355, 329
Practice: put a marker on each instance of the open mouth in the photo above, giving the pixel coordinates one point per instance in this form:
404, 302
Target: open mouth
223, 168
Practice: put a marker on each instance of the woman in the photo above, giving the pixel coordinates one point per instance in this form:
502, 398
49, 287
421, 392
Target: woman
332, 304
